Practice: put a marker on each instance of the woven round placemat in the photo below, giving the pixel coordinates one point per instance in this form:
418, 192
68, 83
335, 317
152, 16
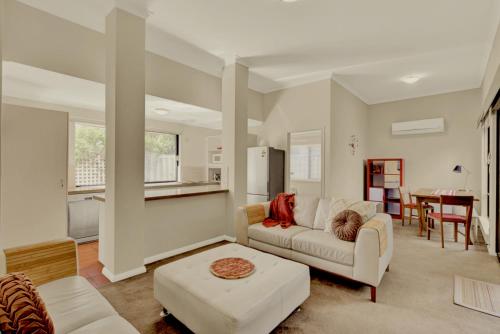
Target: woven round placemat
232, 268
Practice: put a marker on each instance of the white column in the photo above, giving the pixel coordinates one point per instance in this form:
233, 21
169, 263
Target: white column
125, 98
234, 138
2, 257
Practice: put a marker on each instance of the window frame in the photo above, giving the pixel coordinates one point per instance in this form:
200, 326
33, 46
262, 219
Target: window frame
85, 122
309, 164
177, 156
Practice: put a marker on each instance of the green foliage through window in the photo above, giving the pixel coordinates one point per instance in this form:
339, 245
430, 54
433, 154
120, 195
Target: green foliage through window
90, 145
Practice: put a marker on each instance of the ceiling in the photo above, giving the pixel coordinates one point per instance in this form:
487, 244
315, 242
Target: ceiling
41, 88
367, 46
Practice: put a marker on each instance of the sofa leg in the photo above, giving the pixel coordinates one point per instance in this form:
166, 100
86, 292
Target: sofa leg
373, 294
387, 269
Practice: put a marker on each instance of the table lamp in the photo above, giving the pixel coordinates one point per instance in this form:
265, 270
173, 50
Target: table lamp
460, 169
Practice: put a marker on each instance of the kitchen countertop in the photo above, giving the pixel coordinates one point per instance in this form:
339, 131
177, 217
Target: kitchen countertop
176, 192
102, 189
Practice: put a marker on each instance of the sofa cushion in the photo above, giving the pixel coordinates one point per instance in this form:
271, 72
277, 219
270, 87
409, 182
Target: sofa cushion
346, 224
112, 324
21, 308
304, 211
73, 302
277, 236
325, 246
321, 216
366, 209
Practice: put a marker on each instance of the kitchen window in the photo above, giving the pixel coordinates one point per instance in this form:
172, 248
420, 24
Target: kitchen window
89, 155
161, 156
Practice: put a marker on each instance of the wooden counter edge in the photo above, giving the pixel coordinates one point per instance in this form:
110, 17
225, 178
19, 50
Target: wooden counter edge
160, 197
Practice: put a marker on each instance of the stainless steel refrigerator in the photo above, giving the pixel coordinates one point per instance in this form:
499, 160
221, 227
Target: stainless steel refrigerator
265, 174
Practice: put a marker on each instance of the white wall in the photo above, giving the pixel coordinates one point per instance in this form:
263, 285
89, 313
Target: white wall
349, 117
328, 106
34, 148
297, 109
430, 158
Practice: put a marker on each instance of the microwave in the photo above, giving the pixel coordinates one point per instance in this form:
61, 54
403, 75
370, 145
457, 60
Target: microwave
217, 158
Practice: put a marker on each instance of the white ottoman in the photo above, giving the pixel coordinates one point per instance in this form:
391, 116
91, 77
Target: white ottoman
255, 304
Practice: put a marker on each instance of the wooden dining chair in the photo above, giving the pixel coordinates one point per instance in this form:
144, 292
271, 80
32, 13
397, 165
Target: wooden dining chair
406, 202
463, 201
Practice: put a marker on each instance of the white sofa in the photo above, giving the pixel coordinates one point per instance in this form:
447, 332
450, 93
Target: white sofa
73, 304
308, 243
76, 307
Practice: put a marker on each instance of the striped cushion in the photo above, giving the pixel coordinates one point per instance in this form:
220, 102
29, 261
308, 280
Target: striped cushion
22, 311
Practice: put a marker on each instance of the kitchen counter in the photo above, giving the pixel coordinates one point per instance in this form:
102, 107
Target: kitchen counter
102, 189
176, 192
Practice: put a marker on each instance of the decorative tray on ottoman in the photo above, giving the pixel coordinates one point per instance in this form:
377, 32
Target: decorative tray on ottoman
232, 268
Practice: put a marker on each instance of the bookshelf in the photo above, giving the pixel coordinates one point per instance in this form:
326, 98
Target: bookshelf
383, 179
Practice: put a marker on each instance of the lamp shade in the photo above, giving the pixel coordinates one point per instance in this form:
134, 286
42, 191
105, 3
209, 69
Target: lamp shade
457, 169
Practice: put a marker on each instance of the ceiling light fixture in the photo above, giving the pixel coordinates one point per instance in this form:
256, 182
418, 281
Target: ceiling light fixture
411, 79
289, 1
161, 111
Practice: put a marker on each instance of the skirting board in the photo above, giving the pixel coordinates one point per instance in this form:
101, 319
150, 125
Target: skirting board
188, 248
120, 277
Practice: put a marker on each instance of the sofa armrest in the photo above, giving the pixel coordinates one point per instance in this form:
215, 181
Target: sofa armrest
369, 264
242, 221
44, 262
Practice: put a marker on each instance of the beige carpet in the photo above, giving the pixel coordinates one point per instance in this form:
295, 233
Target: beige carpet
477, 295
416, 296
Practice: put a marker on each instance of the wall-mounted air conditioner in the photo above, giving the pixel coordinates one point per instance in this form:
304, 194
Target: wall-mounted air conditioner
418, 127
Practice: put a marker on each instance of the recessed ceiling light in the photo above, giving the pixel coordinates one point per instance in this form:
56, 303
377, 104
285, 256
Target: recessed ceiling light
289, 1
161, 111
411, 79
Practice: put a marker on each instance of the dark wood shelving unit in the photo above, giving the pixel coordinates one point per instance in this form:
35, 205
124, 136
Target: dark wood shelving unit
383, 178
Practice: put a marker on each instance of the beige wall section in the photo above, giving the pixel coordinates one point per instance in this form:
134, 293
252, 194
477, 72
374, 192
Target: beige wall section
39, 39
430, 158
175, 223
296, 109
168, 79
349, 117
491, 80
34, 172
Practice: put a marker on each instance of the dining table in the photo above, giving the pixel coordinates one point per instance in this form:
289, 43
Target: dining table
433, 195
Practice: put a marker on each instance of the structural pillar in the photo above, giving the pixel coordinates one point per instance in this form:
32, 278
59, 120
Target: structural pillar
123, 232
234, 138
2, 257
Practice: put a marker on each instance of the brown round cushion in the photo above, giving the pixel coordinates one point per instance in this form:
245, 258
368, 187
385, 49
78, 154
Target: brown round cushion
346, 224
22, 311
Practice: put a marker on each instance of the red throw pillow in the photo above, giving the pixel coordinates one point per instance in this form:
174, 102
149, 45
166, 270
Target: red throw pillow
22, 311
346, 224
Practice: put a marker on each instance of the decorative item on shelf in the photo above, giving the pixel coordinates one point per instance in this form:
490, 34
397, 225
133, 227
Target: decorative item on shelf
459, 169
353, 144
